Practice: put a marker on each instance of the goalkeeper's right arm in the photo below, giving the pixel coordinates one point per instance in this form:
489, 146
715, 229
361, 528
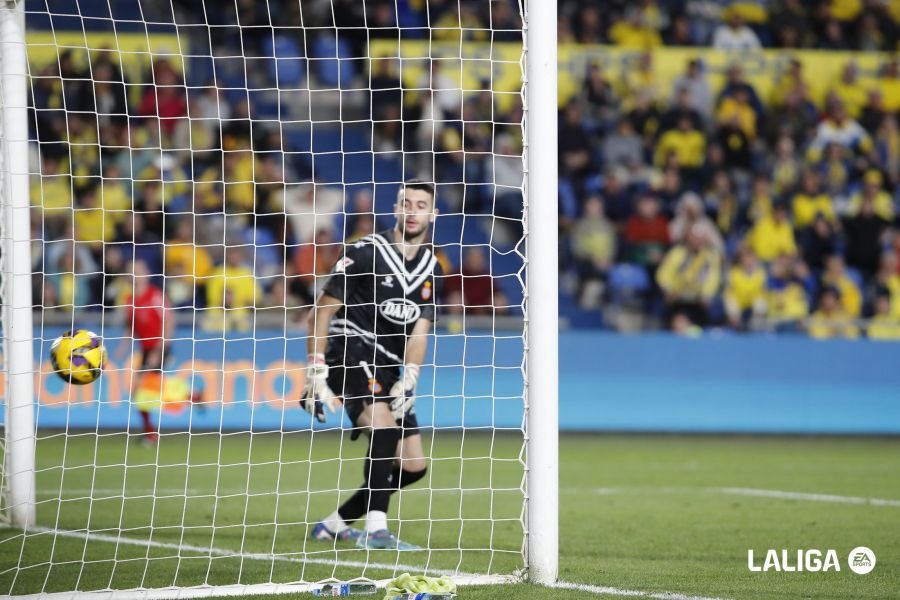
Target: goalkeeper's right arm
319, 318
316, 393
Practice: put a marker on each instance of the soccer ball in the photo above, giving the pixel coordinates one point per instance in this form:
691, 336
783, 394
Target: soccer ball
78, 356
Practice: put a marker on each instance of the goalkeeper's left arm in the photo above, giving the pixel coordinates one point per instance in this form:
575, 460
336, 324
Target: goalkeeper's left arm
404, 391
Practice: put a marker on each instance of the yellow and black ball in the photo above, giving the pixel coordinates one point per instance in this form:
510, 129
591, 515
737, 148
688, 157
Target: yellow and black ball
78, 356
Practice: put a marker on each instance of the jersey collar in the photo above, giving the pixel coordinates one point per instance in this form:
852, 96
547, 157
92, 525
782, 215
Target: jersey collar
423, 262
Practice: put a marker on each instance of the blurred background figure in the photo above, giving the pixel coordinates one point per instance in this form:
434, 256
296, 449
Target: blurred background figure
472, 290
231, 293
690, 276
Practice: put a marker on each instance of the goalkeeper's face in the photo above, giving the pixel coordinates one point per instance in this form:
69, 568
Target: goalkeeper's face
415, 212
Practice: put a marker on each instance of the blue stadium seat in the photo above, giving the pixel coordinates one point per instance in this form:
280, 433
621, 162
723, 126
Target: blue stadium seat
200, 71
627, 282
358, 167
567, 200
332, 61
286, 66
299, 139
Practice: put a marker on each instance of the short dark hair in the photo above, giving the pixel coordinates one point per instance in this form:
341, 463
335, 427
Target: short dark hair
418, 184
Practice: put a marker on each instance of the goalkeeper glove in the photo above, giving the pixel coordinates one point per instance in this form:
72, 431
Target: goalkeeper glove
404, 392
316, 393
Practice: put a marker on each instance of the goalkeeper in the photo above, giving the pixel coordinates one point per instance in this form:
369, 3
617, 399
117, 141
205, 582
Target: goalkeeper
368, 336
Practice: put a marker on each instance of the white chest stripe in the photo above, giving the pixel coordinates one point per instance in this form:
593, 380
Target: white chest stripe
409, 281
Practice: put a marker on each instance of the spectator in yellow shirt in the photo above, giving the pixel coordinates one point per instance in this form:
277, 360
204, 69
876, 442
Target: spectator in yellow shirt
845, 10
593, 241
835, 276
187, 265
456, 25
889, 82
790, 79
688, 145
745, 294
872, 189
239, 176
760, 199
115, 194
786, 302
838, 127
93, 225
786, 166
811, 201
831, 320
52, 193
850, 91
231, 294
53, 189
773, 236
736, 109
884, 324
690, 276
640, 80
632, 32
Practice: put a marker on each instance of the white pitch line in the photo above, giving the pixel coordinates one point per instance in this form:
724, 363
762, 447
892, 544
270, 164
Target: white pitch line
781, 494
460, 578
211, 550
740, 491
611, 591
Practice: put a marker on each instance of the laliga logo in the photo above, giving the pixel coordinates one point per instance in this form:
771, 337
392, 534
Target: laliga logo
861, 560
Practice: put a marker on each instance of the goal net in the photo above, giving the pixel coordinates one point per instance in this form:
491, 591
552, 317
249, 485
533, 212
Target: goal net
220, 156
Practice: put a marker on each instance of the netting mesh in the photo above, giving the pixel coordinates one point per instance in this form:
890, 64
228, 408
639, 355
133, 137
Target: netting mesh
214, 159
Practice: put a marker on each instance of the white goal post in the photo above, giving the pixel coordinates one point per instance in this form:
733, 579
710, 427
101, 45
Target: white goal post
542, 306
18, 333
223, 503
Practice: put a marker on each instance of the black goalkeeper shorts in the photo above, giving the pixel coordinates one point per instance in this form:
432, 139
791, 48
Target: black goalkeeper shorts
360, 383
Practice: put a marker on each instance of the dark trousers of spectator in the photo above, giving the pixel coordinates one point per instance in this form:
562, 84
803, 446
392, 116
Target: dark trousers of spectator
697, 312
587, 272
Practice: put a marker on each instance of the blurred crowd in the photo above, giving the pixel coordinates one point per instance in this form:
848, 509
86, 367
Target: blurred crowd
733, 24
697, 206
685, 207
187, 186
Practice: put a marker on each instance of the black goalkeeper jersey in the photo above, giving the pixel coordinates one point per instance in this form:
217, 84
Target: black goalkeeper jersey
383, 295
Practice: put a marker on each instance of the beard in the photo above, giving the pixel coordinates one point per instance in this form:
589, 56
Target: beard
412, 232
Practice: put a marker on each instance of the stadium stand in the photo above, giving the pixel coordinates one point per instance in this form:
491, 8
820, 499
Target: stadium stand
756, 139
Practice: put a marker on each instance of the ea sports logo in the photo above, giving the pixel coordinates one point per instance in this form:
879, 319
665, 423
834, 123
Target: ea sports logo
861, 560
400, 311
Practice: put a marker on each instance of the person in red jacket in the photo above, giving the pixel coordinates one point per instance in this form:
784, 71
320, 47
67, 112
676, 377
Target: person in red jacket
646, 233
166, 99
151, 323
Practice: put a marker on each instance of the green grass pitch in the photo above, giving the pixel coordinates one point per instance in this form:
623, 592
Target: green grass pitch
644, 513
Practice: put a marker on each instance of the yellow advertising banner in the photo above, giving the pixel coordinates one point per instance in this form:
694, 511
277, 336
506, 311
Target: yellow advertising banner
475, 66
133, 52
